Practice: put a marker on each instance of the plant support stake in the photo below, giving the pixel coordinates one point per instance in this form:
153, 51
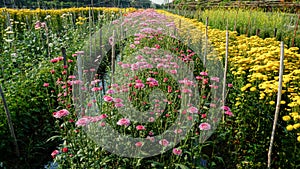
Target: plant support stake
113, 55
9, 121
277, 104
225, 69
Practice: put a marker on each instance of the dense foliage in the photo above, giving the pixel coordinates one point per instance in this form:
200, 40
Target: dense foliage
38, 85
29, 38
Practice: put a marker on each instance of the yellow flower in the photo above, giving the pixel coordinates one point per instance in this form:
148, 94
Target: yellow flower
298, 138
296, 118
252, 89
237, 104
282, 102
293, 114
286, 118
271, 102
296, 126
289, 127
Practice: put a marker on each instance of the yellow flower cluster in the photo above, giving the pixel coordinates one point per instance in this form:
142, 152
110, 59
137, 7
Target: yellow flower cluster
37, 14
256, 61
28, 12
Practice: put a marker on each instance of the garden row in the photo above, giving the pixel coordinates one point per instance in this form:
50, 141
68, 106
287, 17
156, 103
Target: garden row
254, 69
28, 39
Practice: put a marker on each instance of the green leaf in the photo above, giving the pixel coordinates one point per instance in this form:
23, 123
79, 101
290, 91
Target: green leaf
53, 138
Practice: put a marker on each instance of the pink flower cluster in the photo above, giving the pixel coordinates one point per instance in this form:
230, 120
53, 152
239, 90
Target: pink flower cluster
84, 121
61, 113
227, 110
123, 122
57, 59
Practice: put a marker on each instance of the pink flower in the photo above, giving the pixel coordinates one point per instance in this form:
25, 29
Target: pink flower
216, 79
54, 60
140, 127
118, 100
97, 118
110, 91
108, 98
118, 105
132, 46
139, 57
203, 73
186, 91
134, 67
193, 110
230, 85
139, 144
95, 89
169, 89
72, 77
151, 119
204, 126
123, 122
177, 151
103, 116
173, 71
164, 142
203, 116
198, 77
229, 113
178, 131
225, 108
205, 81
139, 85
46, 84
83, 122
212, 105
54, 153
150, 138
61, 113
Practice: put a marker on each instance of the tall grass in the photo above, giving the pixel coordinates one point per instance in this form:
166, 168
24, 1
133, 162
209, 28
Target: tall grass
250, 22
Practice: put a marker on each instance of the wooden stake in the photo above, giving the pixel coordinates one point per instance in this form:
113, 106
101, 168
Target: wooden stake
113, 56
101, 55
9, 121
225, 69
257, 32
278, 103
63, 51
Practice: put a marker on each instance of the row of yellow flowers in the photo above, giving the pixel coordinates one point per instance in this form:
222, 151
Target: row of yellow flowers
256, 62
28, 12
27, 15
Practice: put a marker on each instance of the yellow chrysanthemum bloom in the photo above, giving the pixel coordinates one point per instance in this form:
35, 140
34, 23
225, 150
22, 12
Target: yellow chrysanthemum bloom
282, 102
289, 127
286, 118
298, 138
252, 89
293, 114
296, 118
296, 126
